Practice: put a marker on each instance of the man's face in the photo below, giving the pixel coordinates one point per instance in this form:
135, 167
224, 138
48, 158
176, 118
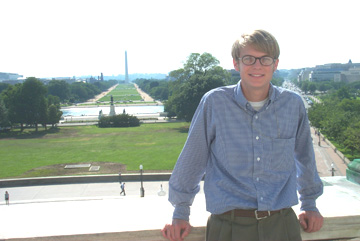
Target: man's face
254, 77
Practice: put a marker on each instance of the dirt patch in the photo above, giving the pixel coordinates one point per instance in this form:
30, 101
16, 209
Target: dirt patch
105, 168
60, 170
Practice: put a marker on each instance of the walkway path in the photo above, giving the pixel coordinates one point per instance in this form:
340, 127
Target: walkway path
143, 95
326, 156
99, 96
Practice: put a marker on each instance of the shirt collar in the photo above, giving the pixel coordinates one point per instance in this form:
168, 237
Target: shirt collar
240, 98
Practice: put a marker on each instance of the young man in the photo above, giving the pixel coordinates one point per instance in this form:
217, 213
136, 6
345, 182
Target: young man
122, 185
7, 198
253, 142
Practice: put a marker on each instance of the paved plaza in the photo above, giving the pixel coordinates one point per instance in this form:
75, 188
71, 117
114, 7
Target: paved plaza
54, 210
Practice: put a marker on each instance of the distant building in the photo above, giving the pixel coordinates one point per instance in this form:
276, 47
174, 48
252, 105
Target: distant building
304, 74
9, 76
349, 76
348, 72
68, 80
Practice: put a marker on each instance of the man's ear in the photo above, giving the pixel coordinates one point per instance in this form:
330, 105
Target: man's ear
236, 65
276, 64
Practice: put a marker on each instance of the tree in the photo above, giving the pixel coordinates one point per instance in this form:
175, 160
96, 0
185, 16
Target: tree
3, 86
13, 101
312, 87
352, 137
54, 114
305, 86
343, 93
43, 113
199, 75
59, 88
4, 119
33, 95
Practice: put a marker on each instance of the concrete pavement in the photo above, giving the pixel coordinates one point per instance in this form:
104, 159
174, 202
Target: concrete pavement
53, 210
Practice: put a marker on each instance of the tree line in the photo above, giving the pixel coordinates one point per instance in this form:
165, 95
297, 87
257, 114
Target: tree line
328, 86
338, 117
32, 103
186, 86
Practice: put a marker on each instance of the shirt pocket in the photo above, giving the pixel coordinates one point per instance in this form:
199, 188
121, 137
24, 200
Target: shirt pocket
282, 155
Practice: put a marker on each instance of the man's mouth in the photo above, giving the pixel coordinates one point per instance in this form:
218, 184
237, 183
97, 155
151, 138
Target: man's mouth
256, 75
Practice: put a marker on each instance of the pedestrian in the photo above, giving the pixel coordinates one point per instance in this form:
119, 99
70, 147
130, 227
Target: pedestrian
122, 188
253, 141
7, 198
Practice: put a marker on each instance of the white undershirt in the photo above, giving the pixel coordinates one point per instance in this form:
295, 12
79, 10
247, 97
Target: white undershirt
257, 105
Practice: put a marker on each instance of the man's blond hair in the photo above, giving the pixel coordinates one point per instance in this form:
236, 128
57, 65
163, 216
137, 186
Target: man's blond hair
261, 40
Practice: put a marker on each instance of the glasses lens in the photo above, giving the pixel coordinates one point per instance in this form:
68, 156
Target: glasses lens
248, 60
266, 60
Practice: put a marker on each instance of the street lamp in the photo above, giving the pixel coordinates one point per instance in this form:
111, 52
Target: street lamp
332, 169
142, 191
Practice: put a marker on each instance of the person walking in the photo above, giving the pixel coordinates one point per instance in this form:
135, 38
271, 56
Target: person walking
122, 188
7, 198
253, 141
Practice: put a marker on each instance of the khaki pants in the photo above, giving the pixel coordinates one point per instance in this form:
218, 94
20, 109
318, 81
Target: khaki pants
283, 226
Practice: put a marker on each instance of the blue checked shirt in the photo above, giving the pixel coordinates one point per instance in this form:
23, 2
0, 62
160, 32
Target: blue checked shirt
252, 159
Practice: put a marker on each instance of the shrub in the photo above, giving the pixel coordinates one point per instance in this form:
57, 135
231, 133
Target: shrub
123, 120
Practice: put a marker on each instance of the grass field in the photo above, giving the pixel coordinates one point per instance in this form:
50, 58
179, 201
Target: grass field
155, 146
123, 92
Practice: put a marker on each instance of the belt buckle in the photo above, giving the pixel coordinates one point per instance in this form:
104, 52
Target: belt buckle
259, 218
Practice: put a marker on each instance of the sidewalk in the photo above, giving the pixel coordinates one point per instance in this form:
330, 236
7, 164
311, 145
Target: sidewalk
325, 155
58, 210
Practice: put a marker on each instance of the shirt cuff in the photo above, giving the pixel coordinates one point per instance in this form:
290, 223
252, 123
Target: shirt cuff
308, 205
181, 212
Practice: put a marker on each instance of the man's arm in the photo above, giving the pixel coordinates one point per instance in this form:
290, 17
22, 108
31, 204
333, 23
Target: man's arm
310, 186
190, 167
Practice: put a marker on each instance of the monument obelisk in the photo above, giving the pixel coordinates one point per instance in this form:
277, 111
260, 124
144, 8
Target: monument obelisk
126, 69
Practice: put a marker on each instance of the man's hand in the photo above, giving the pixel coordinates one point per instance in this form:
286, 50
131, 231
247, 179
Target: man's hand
311, 221
176, 231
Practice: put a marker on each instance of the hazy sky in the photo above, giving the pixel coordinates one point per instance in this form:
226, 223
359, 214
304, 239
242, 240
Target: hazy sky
59, 38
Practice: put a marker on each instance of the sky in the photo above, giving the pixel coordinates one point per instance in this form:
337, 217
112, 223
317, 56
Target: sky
66, 38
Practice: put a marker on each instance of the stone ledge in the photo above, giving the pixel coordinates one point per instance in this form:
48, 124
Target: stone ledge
335, 228
23, 182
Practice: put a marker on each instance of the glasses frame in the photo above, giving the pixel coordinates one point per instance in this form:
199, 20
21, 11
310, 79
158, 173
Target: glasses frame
257, 58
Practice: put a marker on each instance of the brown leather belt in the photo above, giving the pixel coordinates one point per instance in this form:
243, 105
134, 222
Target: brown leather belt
251, 213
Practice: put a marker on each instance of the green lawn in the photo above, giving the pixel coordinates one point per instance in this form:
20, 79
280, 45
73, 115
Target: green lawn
123, 92
155, 146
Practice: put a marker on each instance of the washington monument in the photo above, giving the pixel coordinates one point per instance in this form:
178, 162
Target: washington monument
126, 69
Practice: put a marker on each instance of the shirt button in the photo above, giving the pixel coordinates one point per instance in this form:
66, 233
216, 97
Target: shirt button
256, 117
257, 137
258, 159
257, 179
261, 198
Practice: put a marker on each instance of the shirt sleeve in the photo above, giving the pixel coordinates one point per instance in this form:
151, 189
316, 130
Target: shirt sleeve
184, 182
310, 186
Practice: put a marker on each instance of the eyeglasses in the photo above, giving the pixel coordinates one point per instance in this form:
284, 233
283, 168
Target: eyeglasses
250, 60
